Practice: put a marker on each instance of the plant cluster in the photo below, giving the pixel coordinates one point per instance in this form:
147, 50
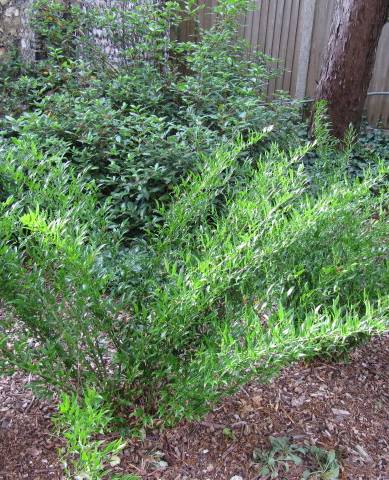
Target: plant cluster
252, 267
137, 109
84, 456
251, 256
274, 462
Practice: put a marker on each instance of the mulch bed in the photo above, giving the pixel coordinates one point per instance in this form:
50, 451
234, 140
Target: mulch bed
342, 406
28, 448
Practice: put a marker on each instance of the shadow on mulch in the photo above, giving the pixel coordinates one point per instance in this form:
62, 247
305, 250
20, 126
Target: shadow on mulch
335, 406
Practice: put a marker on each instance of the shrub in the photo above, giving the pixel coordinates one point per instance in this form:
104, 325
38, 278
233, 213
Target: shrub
127, 154
249, 271
137, 121
251, 256
277, 255
51, 233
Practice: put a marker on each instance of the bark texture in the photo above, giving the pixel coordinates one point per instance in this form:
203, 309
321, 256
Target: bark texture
349, 60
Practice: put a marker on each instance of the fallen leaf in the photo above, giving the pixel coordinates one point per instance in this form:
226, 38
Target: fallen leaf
115, 460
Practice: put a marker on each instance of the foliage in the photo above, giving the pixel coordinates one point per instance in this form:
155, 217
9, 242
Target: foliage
138, 115
370, 147
252, 268
252, 255
372, 144
85, 457
283, 453
51, 232
128, 155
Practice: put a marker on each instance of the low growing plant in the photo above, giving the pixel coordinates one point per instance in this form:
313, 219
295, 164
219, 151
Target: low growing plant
85, 457
276, 461
256, 263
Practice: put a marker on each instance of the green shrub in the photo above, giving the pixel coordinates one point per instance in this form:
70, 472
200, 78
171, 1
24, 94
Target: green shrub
51, 232
137, 124
128, 154
251, 256
249, 271
308, 264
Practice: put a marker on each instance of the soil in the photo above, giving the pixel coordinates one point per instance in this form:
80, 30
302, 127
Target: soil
340, 406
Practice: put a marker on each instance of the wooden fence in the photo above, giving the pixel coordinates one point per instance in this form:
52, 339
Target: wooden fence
295, 32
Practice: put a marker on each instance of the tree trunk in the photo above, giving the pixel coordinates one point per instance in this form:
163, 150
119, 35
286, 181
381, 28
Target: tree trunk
349, 60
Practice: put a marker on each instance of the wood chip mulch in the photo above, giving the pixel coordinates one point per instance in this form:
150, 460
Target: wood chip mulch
28, 448
342, 406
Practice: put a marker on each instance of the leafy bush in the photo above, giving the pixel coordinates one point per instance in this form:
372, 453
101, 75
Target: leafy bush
138, 120
249, 271
275, 252
128, 154
252, 255
51, 232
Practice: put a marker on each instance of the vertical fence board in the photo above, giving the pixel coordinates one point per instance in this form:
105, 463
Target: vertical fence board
297, 46
270, 31
283, 46
321, 32
291, 45
307, 24
249, 20
263, 20
378, 106
277, 33
205, 16
254, 24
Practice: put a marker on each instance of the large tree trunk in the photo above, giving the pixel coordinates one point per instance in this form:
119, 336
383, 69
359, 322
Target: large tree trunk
349, 61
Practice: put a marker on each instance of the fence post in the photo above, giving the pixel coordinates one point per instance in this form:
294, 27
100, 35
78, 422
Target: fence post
308, 18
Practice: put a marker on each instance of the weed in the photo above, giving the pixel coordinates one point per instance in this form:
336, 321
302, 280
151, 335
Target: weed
275, 462
84, 456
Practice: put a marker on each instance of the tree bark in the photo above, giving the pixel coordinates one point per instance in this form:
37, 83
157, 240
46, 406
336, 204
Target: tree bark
349, 61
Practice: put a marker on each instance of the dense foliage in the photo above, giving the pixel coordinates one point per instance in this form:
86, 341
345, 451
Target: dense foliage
137, 122
251, 256
244, 277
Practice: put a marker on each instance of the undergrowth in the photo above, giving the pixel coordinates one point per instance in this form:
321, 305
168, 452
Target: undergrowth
166, 232
258, 262
84, 456
276, 461
135, 121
